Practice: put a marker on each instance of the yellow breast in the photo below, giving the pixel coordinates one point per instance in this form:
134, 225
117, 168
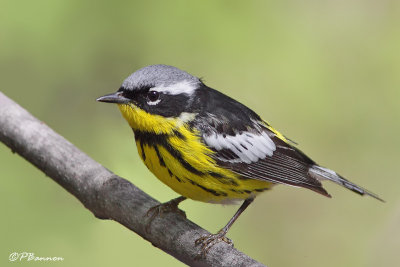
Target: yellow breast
177, 156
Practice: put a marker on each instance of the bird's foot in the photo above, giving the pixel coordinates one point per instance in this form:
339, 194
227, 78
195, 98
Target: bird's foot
160, 209
208, 241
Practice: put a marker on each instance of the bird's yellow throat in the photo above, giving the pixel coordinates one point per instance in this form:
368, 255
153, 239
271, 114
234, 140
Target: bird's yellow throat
139, 119
188, 144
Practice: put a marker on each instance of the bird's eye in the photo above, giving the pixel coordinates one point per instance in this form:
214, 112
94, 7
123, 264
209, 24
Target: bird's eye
153, 96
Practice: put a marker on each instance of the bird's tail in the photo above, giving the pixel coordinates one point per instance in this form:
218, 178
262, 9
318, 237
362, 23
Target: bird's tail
322, 173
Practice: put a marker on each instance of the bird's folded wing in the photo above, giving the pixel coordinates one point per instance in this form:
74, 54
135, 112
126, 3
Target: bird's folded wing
261, 153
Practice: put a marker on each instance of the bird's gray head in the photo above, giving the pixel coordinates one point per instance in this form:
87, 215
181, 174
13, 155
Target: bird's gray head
158, 89
158, 76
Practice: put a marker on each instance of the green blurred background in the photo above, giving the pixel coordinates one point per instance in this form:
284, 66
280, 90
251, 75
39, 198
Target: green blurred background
326, 73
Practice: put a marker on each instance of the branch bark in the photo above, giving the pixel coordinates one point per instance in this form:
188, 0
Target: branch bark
105, 194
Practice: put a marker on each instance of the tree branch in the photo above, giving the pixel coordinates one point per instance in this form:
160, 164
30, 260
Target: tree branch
105, 194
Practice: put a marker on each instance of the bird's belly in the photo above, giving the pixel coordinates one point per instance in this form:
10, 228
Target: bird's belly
206, 185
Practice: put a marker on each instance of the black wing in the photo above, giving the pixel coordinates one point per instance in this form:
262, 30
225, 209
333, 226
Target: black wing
245, 144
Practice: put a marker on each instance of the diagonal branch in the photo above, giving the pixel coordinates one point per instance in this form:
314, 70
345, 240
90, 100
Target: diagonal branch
105, 194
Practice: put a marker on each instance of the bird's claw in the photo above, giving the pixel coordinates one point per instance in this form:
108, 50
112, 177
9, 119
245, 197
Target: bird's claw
208, 241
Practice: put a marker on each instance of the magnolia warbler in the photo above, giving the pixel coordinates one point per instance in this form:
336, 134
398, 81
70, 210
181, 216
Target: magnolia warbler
208, 147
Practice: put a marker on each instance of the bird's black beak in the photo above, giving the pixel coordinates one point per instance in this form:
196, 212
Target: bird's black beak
116, 98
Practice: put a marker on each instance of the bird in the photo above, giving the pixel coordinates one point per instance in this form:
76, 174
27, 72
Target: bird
208, 147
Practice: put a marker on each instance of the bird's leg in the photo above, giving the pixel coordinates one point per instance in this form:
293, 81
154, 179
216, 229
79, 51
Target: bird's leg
209, 241
170, 206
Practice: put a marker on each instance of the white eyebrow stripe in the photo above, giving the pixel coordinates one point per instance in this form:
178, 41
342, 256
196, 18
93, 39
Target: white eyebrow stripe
184, 87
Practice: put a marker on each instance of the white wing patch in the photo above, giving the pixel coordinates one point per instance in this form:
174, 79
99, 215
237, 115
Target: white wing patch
248, 147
